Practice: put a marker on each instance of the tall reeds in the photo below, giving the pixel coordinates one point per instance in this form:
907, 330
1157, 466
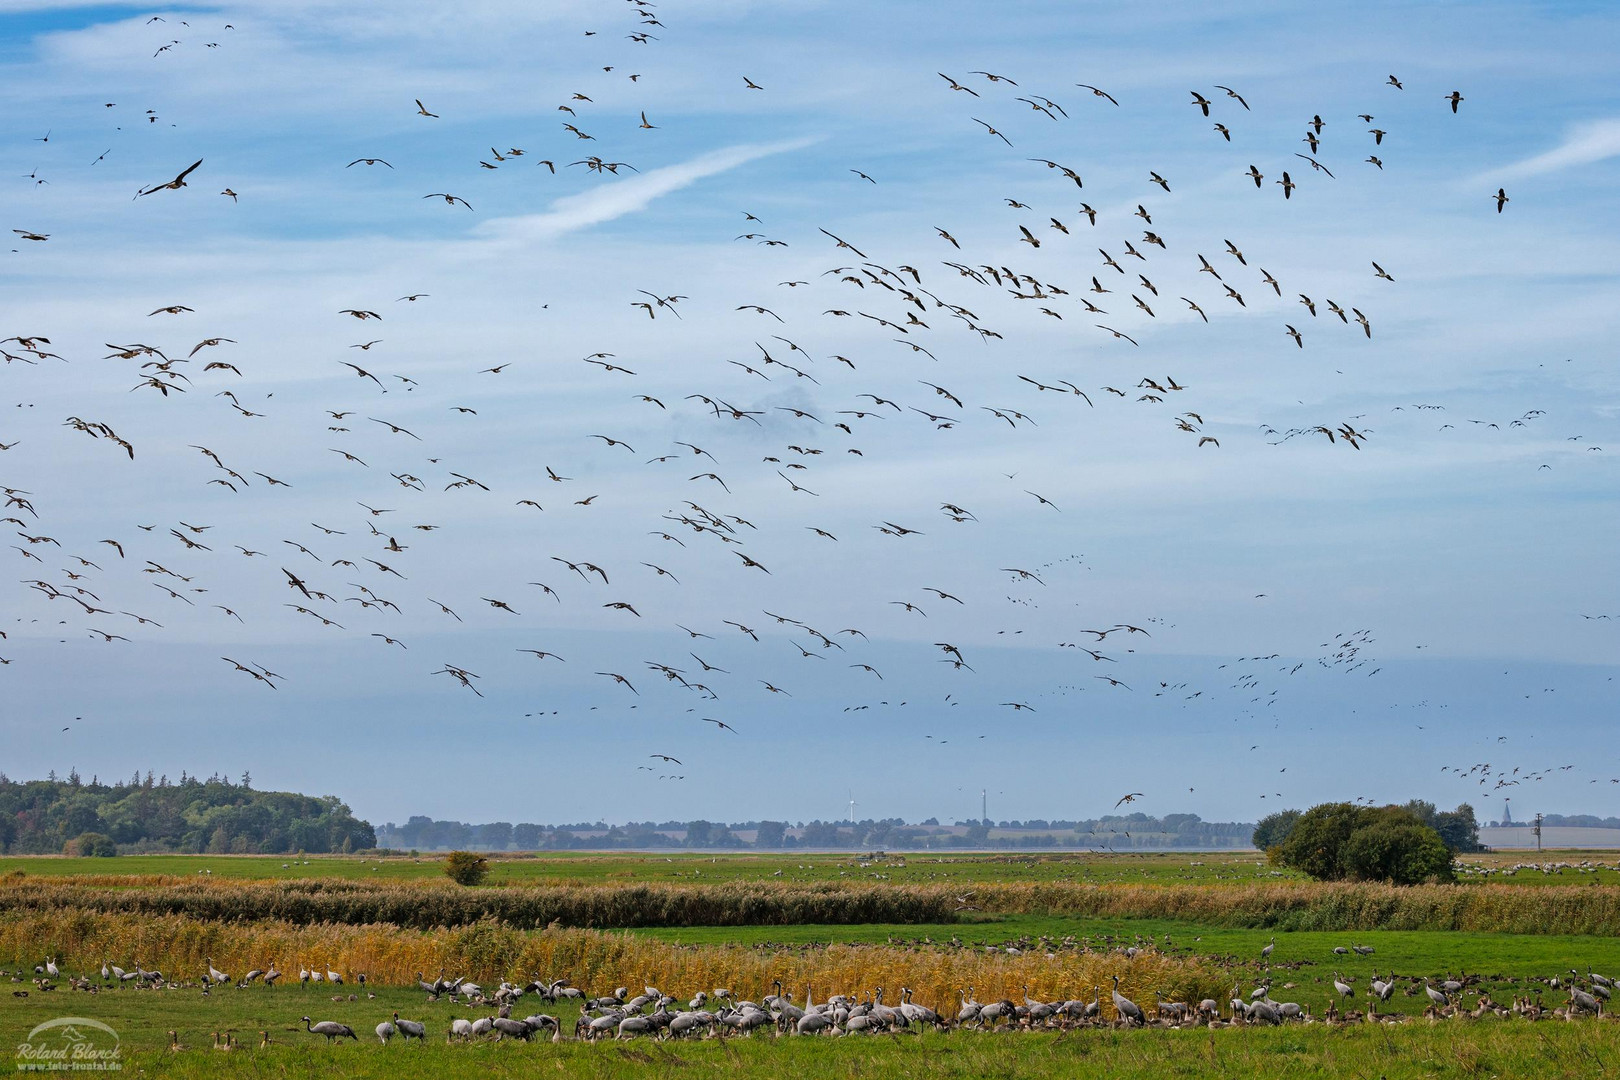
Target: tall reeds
1335, 906
596, 961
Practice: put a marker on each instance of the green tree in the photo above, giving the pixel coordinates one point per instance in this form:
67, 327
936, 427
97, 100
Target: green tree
1400, 851
1335, 841
770, 834
1273, 829
1459, 829
1317, 839
466, 867
92, 845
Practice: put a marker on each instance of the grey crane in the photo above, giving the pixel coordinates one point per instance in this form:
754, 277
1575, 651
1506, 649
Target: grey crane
512, 1029
385, 1031
1265, 953
1437, 996
1039, 1011
686, 1022
331, 1029
1263, 1011
812, 1021
272, 975
1345, 989
1580, 999
917, 1014
214, 974
890, 1016
410, 1029
540, 1020
1128, 1010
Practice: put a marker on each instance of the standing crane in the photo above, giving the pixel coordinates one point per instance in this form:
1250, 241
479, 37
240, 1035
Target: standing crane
1128, 1010
331, 1029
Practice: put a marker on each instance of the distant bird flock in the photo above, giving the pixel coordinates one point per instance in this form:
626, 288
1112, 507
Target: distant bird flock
769, 470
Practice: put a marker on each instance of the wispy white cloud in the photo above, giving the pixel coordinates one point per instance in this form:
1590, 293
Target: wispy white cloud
617, 198
1597, 140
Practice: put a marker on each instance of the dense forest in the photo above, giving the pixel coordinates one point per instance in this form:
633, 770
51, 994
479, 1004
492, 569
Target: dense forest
147, 814
1133, 831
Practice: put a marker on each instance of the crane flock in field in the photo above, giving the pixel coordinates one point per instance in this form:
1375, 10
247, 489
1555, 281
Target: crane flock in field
720, 1012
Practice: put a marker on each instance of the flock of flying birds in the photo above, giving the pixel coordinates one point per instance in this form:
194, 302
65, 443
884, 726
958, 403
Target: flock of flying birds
793, 429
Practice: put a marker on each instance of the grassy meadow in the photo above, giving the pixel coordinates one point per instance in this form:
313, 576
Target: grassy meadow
1464, 1049
1170, 926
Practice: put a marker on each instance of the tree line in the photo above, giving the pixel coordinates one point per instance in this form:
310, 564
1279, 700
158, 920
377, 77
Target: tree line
154, 814
421, 833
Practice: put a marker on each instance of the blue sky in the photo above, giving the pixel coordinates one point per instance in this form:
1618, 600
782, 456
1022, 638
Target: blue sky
1429, 600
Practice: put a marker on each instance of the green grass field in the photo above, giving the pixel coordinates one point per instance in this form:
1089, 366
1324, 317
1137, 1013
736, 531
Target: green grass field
1301, 969
571, 868
143, 1019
